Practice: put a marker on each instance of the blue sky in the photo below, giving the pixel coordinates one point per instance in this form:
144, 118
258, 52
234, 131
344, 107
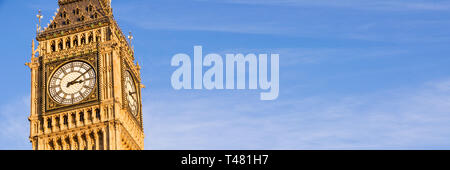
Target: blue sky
354, 74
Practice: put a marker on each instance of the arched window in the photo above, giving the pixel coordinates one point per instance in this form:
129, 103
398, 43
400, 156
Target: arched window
81, 117
68, 42
84, 140
57, 121
51, 145
75, 41
83, 39
67, 141
92, 136
41, 124
97, 114
73, 118
89, 115
75, 141
60, 45
59, 144
49, 123
100, 140
66, 120
53, 46
91, 38
98, 35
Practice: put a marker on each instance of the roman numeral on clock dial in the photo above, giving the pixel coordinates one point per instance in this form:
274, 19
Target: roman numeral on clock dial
72, 83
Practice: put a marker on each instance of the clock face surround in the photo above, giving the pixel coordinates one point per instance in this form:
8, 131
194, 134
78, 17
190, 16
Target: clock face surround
131, 93
72, 83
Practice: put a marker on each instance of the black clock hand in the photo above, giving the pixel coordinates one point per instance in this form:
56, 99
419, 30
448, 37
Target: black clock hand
80, 81
83, 74
74, 81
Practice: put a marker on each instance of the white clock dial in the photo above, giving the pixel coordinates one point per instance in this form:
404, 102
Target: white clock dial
131, 93
72, 83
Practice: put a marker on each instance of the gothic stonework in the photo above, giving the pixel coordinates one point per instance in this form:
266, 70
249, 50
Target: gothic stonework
85, 86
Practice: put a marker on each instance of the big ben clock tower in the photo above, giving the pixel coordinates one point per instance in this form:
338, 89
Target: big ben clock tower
85, 85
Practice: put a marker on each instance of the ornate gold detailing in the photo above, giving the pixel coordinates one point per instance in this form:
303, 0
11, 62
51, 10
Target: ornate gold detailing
51, 104
100, 122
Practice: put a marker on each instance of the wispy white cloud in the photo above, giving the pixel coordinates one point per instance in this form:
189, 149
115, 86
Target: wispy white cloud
416, 118
443, 86
295, 56
317, 24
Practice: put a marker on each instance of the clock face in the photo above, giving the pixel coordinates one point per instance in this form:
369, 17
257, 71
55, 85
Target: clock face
72, 83
131, 93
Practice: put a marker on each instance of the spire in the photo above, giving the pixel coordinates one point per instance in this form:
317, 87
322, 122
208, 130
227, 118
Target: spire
32, 49
75, 13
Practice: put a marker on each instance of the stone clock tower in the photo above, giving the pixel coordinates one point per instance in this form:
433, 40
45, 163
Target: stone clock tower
85, 85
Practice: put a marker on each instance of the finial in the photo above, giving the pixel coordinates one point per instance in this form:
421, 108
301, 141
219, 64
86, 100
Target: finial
138, 67
130, 38
39, 16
